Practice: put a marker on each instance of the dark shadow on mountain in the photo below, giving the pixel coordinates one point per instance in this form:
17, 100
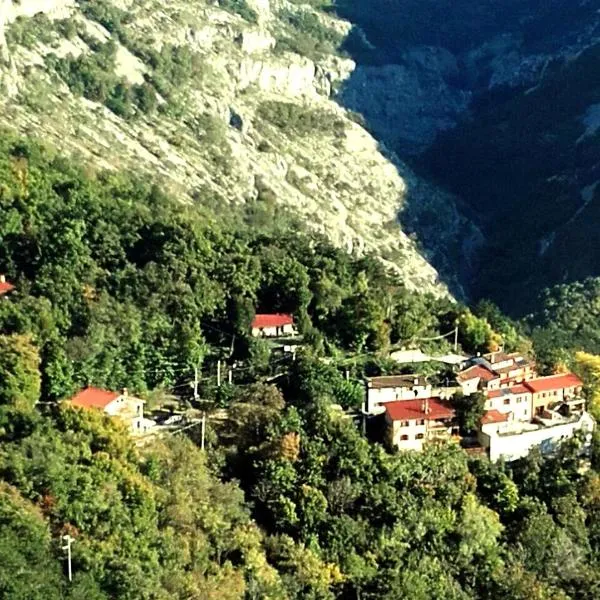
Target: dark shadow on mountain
423, 67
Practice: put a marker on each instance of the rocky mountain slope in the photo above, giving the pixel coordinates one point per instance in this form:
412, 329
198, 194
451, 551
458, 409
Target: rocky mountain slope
223, 103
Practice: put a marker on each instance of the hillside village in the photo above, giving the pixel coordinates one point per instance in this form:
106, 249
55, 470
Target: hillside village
522, 410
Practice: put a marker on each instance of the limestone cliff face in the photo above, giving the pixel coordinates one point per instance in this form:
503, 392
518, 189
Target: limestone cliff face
224, 141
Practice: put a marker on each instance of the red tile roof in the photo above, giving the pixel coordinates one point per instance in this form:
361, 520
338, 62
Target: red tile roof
476, 371
411, 410
493, 416
94, 398
5, 286
554, 382
271, 320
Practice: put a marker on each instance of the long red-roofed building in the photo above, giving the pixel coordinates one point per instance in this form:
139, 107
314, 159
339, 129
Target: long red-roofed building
412, 422
554, 389
273, 325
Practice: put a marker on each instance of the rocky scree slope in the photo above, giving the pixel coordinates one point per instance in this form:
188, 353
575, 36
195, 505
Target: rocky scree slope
223, 102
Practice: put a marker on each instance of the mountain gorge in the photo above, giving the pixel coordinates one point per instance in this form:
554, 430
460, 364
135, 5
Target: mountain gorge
498, 103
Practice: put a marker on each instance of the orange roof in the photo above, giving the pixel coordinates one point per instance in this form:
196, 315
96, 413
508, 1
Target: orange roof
554, 382
476, 371
411, 410
5, 286
94, 398
494, 416
271, 320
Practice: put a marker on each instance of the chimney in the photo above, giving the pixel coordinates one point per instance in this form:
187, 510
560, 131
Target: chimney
425, 406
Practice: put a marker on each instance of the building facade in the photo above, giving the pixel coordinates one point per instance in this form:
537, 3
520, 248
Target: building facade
411, 423
548, 392
515, 400
381, 390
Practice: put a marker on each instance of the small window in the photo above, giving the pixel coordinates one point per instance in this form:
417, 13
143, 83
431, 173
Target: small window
419, 436
404, 423
421, 422
506, 401
403, 438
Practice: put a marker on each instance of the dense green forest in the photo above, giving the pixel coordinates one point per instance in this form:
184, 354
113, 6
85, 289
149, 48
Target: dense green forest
119, 285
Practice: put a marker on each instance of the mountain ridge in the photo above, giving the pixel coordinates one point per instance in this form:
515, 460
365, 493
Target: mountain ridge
219, 106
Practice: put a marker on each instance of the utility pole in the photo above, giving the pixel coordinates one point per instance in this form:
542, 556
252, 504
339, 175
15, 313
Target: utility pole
219, 373
68, 541
230, 376
196, 381
456, 339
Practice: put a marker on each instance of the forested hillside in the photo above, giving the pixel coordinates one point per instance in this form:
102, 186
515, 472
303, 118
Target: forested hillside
119, 285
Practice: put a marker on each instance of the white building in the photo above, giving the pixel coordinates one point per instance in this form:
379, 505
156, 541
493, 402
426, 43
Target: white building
511, 440
477, 377
381, 390
128, 409
516, 401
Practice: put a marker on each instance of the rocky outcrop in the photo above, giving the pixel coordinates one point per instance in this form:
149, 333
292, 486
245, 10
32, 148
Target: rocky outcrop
406, 104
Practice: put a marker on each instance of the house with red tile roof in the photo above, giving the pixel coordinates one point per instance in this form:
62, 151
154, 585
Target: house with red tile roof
5, 287
411, 423
477, 377
272, 325
120, 405
515, 400
554, 390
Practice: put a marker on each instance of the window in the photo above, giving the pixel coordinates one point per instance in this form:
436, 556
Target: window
404, 423
419, 436
403, 438
506, 401
421, 422
519, 399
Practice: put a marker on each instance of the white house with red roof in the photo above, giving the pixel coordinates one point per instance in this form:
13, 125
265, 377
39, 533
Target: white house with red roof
119, 405
539, 412
413, 422
5, 286
273, 325
477, 377
514, 401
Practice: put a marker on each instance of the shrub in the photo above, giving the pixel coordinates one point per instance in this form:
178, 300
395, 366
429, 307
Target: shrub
288, 116
241, 8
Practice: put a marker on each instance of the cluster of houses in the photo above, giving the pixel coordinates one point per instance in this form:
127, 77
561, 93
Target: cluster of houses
522, 410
